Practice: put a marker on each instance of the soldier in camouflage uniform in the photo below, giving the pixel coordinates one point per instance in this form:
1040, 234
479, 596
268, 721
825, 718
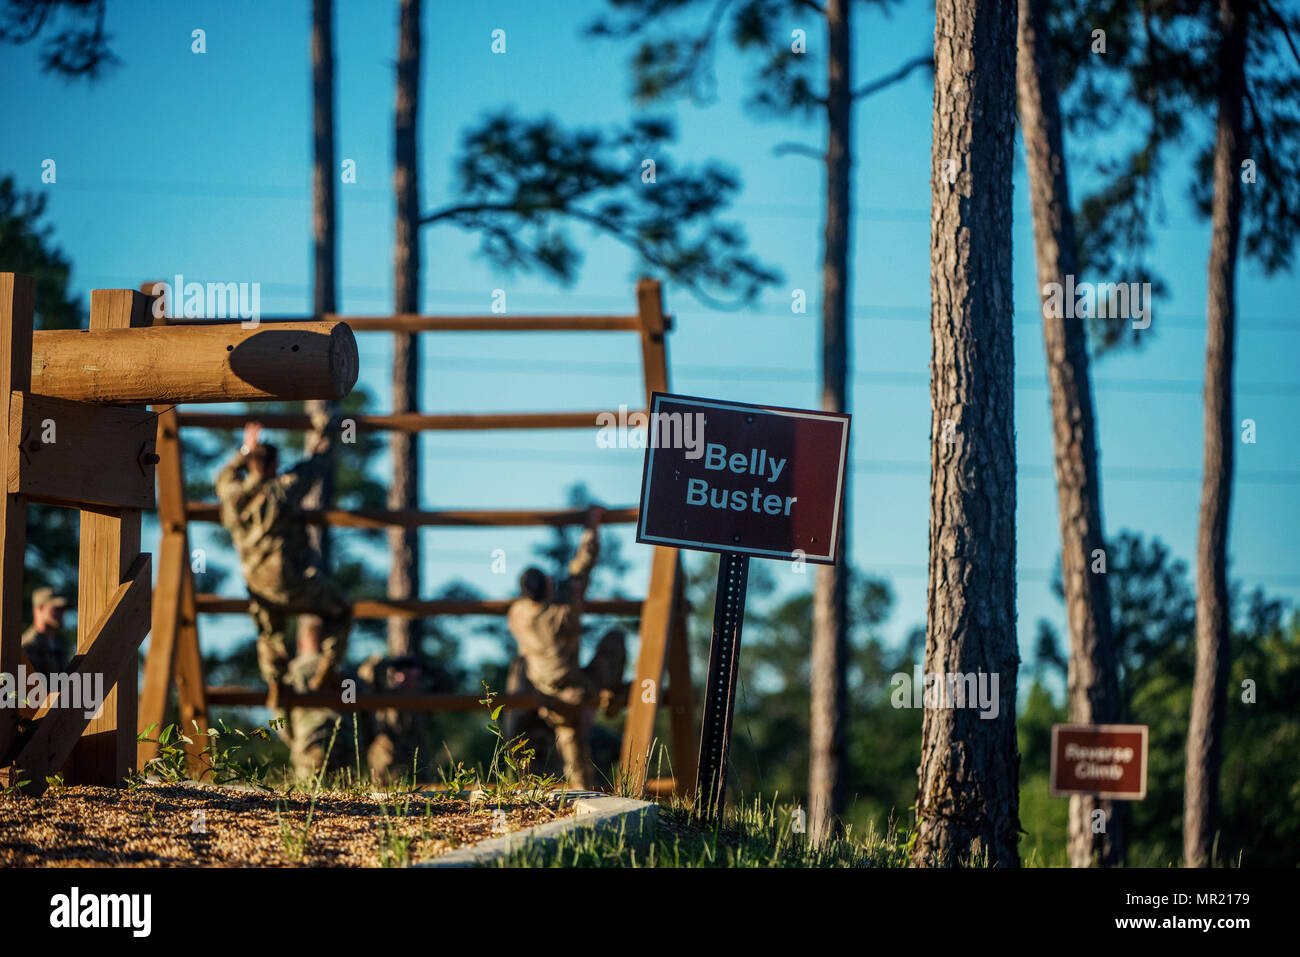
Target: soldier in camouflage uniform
310, 729
262, 510
46, 645
546, 622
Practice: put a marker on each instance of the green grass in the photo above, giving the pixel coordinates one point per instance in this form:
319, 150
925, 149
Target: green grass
752, 834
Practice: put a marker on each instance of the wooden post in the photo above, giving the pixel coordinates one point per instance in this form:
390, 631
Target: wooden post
656, 614
160, 662
17, 311
110, 544
662, 616
174, 643
654, 346
191, 687
681, 701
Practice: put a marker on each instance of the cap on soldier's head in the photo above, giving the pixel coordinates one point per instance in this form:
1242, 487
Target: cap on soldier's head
47, 596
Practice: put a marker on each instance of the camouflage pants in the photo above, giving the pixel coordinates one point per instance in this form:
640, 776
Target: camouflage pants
313, 730
312, 595
570, 712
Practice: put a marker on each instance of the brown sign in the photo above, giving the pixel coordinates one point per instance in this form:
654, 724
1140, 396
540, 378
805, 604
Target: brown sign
752, 479
1108, 760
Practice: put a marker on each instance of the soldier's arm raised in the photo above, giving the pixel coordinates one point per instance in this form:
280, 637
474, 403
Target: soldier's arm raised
233, 489
584, 560
228, 479
315, 467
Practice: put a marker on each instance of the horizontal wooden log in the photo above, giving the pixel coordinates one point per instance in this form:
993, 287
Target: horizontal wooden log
417, 518
118, 633
211, 363
221, 605
405, 421
490, 323
661, 787
71, 453
231, 696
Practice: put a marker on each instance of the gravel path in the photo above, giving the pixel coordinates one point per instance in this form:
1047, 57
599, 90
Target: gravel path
173, 826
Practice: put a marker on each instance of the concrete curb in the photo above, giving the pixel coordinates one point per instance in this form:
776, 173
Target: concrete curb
595, 812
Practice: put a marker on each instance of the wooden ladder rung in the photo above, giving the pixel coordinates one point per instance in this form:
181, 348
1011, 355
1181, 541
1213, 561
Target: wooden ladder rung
415, 518
490, 323
406, 421
230, 695
234, 695
222, 605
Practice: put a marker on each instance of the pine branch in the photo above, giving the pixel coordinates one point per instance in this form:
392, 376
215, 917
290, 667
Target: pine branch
798, 149
875, 86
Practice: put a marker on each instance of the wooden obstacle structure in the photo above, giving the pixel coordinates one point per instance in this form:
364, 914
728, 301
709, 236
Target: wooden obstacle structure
174, 651
78, 437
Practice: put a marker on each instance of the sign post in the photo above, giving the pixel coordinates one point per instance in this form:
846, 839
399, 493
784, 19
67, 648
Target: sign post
720, 689
741, 480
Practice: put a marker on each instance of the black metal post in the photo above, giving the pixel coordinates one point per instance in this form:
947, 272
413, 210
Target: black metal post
720, 691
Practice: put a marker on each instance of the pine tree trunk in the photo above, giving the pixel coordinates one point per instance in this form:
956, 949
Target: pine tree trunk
1094, 696
968, 802
829, 663
1213, 654
404, 573
324, 225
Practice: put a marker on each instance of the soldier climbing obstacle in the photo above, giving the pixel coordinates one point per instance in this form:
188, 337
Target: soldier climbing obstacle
262, 510
546, 622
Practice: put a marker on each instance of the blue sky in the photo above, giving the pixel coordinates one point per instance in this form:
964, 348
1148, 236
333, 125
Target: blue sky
200, 164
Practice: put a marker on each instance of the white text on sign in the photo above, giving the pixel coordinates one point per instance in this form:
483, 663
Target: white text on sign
757, 462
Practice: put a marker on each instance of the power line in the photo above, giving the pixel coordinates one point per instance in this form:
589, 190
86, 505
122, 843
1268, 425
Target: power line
873, 466
892, 312
468, 363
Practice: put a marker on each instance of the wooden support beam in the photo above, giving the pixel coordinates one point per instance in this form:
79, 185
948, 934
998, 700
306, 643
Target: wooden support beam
414, 518
173, 561
663, 624
191, 700
394, 608
226, 363
160, 662
405, 421
680, 696
492, 323
174, 654
654, 345
419, 323
647, 686
114, 637
230, 696
17, 311
70, 452
110, 549
663, 787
